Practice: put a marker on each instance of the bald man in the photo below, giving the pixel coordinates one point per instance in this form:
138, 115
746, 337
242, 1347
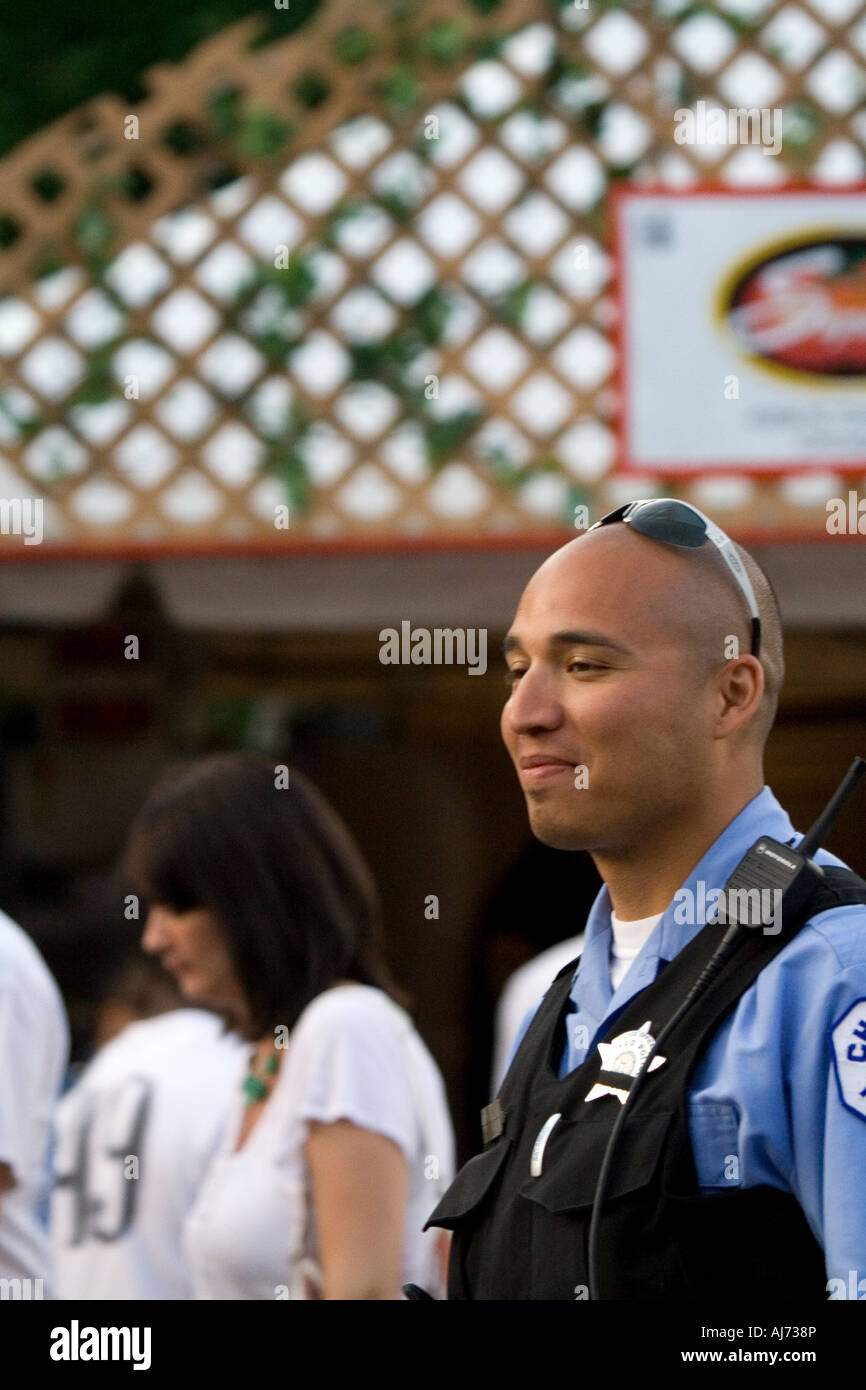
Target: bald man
645, 663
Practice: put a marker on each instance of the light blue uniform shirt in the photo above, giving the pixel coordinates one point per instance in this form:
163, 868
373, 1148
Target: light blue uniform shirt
775, 1098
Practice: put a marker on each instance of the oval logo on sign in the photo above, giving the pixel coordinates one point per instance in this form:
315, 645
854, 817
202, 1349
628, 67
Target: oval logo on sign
803, 307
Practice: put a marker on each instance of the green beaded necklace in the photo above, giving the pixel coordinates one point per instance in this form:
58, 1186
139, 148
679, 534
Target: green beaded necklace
254, 1087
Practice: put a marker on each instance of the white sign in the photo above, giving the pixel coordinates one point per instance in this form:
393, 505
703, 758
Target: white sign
743, 330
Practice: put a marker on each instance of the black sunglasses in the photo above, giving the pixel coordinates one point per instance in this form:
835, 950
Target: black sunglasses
679, 523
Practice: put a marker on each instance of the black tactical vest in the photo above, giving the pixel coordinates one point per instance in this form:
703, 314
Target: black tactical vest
518, 1236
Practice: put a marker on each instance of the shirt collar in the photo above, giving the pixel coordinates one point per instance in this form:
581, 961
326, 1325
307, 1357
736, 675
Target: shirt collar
591, 991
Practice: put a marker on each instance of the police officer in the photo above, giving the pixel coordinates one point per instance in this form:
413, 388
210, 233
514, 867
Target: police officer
645, 663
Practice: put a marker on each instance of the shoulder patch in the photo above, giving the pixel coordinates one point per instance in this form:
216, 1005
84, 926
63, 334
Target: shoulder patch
849, 1057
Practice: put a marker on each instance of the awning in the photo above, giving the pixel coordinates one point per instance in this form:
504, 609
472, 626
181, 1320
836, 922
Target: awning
819, 585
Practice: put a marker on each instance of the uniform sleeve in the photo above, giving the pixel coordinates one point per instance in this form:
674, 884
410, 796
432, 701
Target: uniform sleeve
827, 1089
350, 1063
840, 1195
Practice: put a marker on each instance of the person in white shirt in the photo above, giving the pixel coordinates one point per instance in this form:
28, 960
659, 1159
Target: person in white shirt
34, 1047
522, 991
134, 1136
260, 904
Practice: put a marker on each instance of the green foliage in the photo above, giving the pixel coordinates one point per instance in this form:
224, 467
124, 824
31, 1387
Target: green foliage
355, 45
54, 56
401, 90
10, 230
431, 313
26, 425
622, 171
392, 360
571, 85
288, 465
742, 26
445, 41
397, 203
563, 65
502, 468
511, 306
507, 472
262, 135
801, 123
343, 211
252, 132
386, 360
296, 283
223, 113
183, 138
489, 46
94, 233
311, 89
267, 304
443, 435
73, 56
98, 384
591, 116
686, 91
133, 185
284, 459
49, 263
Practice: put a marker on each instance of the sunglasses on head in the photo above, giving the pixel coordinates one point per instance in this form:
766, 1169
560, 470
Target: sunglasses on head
679, 523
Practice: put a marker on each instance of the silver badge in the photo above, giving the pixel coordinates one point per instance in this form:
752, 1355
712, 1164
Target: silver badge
626, 1054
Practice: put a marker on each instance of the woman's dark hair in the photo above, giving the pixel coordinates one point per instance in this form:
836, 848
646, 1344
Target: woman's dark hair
255, 844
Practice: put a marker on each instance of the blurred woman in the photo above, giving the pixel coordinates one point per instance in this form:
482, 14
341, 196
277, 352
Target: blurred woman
261, 906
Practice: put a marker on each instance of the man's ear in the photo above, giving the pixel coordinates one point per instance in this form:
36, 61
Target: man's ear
740, 689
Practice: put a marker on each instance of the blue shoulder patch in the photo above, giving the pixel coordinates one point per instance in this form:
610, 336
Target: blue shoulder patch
848, 1036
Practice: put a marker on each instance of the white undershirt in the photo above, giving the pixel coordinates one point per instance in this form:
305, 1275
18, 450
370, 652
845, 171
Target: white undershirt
628, 939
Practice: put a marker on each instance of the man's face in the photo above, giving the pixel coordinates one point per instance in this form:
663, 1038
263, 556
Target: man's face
606, 720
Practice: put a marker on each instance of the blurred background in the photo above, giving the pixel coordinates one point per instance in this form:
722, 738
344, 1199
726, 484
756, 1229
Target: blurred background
310, 324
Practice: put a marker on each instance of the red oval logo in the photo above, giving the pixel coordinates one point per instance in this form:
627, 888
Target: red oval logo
805, 307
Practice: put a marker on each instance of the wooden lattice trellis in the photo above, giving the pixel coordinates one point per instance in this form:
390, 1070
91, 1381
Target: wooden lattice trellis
138, 400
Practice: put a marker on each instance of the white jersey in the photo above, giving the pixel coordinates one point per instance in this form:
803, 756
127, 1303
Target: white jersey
134, 1137
353, 1054
521, 992
34, 1047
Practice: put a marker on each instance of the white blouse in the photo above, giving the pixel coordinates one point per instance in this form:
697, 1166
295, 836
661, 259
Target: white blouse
353, 1054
